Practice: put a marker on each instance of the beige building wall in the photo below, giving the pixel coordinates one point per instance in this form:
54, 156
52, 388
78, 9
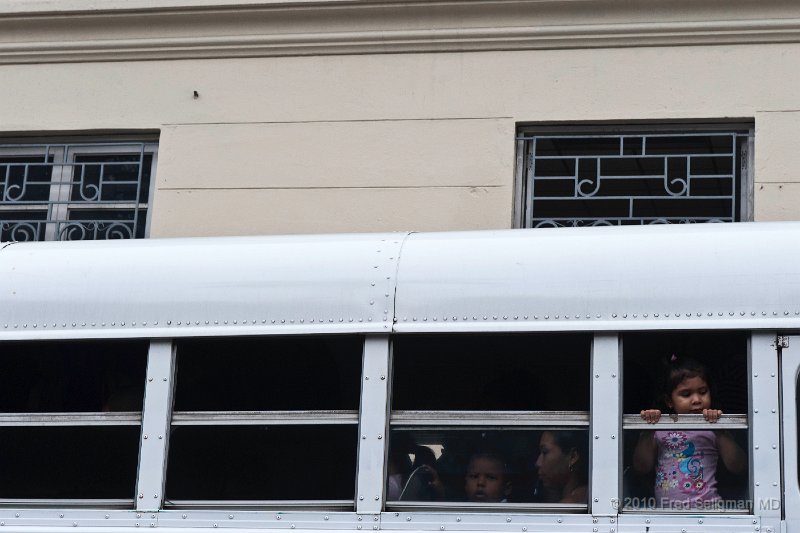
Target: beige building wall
356, 139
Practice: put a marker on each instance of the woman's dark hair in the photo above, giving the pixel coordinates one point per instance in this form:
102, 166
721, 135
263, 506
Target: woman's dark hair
676, 370
569, 440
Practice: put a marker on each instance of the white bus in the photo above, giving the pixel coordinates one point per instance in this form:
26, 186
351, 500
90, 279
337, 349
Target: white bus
364, 382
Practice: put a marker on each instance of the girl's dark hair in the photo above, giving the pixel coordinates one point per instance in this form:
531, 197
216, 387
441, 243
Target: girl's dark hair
676, 370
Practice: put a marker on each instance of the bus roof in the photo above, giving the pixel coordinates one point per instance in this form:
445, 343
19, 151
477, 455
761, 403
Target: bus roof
702, 276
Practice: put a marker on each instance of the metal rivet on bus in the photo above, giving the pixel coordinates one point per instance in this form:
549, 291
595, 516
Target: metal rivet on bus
683, 531
536, 317
559, 520
408, 519
292, 526
614, 315
114, 323
546, 317
597, 437
710, 314
613, 436
752, 313
183, 516
635, 315
137, 524
625, 315
525, 317
596, 500
434, 319
141, 495
757, 485
774, 313
277, 517
508, 519
666, 314
524, 529
594, 529
613, 375
360, 518
325, 517
165, 379
145, 437
756, 446
647, 521
441, 528
755, 410
774, 483
774, 446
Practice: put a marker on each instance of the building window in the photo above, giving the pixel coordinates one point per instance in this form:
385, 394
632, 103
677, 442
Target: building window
633, 177
75, 191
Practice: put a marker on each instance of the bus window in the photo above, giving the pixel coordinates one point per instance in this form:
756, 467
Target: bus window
489, 419
684, 461
266, 419
70, 420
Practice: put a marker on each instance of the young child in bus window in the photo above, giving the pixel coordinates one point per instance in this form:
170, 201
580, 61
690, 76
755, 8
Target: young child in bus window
486, 479
686, 460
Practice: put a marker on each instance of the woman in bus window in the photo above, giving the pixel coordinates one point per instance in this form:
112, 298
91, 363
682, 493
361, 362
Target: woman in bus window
686, 460
562, 466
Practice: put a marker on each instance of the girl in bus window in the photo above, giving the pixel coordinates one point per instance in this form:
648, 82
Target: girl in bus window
686, 460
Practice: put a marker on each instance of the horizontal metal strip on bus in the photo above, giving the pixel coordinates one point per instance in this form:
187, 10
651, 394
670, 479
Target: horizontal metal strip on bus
71, 419
498, 507
489, 418
56, 503
315, 505
245, 418
734, 421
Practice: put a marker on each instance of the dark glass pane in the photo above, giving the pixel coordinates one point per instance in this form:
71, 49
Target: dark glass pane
23, 180
262, 463
68, 376
491, 372
563, 146
581, 208
712, 166
265, 374
112, 178
69, 462
632, 166
555, 167
488, 466
690, 144
684, 207
556, 188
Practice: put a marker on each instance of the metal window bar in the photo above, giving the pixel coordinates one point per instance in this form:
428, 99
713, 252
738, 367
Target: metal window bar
47, 193
678, 193
527, 419
691, 421
70, 419
247, 418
